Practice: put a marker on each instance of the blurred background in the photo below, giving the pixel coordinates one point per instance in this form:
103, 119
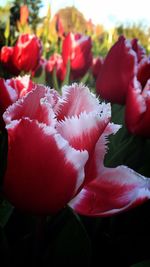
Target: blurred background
104, 21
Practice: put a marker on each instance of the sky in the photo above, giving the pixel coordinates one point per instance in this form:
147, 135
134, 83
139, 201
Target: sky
106, 12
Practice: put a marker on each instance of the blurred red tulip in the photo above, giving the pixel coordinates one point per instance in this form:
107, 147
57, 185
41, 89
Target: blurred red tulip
143, 73
13, 89
56, 61
59, 144
77, 49
59, 26
96, 66
6, 58
140, 51
40, 68
137, 113
27, 52
118, 70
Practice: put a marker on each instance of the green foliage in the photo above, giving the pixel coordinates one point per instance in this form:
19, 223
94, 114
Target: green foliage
142, 264
69, 244
135, 31
127, 149
33, 6
3, 154
4, 19
6, 210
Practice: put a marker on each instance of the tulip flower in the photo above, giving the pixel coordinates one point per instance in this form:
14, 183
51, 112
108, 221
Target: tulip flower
140, 51
56, 152
118, 70
13, 89
56, 61
77, 49
6, 58
59, 26
27, 52
40, 68
137, 112
96, 66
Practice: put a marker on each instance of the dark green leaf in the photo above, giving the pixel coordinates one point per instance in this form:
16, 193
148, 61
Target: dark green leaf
6, 210
70, 245
126, 148
55, 81
3, 155
85, 78
67, 77
39, 79
142, 264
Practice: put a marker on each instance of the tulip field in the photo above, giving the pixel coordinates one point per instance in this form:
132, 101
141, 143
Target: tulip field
74, 146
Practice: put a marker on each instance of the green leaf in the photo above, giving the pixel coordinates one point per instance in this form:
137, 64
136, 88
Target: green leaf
70, 245
3, 154
55, 81
7, 30
85, 78
142, 264
126, 148
67, 77
6, 210
39, 79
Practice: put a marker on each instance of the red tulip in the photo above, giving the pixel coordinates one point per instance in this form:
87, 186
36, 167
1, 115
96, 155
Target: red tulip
137, 114
59, 26
56, 61
11, 90
27, 52
56, 151
96, 66
140, 51
143, 73
117, 71
40, 68
77, 49
6, 58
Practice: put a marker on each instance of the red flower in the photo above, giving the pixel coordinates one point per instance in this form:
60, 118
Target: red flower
13, 89
96, 66
117, 71
27, 52
55, 153
56, 61
140, 51
6, 58
40, 68
59, 26
77, 49
137, 113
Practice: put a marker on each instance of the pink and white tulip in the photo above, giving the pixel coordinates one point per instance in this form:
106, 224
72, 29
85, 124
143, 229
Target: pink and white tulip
57, 144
